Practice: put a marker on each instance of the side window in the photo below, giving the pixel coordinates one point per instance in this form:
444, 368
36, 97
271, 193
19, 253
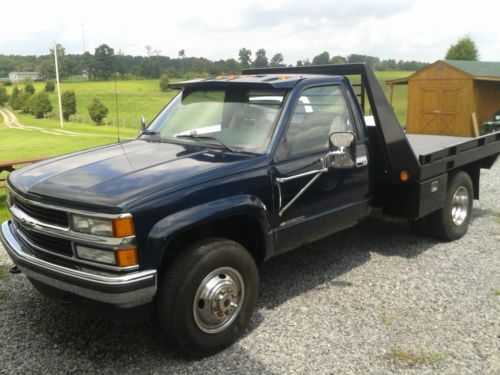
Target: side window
319, 112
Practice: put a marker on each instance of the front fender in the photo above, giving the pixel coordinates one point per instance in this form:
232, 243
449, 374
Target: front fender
243, 204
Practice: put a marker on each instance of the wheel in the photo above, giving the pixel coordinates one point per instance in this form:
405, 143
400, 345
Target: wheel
207, 296
452, 221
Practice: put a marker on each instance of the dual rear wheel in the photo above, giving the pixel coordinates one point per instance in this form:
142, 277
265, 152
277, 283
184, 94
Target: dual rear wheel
452, 221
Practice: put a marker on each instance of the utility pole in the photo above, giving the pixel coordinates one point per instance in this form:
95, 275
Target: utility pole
58, 86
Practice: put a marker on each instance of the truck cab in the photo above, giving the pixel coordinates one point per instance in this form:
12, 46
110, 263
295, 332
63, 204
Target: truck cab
234, 170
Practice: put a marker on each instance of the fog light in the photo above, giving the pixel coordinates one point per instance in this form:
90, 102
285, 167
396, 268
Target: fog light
95, 255
126, 257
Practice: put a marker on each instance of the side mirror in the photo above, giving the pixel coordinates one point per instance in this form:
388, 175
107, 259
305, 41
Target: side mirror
342, 153
143, 123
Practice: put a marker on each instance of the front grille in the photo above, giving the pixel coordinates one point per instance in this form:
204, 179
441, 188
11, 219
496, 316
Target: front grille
49, 243
46, 215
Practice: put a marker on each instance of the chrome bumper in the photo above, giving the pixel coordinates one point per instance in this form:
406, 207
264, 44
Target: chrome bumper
129, 290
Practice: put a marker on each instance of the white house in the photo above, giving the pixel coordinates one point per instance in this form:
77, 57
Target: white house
21, 76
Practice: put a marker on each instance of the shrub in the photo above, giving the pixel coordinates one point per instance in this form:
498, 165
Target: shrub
29, 88
50, 86
39, 104
7, 82
97, 111
164, 81
4, 97
68, 102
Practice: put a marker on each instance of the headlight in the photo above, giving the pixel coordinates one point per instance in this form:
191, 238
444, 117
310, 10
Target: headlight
122, 227
120, 257
95, 255
92, 225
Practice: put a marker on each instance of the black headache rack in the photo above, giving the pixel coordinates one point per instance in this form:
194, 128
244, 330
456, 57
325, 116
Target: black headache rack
396, 151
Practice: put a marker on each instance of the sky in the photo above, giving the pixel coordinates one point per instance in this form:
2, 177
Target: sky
400, 29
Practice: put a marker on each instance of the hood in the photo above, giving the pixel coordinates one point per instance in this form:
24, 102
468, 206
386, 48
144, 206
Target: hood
111, 175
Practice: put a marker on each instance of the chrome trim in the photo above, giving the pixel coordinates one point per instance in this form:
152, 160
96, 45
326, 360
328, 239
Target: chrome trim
302, 191
131, 298
300, 175
67, 209
74, 258
36, 225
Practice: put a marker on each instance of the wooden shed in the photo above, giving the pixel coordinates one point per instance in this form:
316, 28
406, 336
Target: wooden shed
449, 97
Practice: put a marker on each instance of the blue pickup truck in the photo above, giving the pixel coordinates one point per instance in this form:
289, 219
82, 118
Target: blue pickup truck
233, 171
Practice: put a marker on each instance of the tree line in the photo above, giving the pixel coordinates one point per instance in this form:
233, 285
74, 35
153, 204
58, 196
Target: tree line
105, 64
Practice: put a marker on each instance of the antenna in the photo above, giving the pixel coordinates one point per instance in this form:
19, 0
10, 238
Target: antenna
116, 106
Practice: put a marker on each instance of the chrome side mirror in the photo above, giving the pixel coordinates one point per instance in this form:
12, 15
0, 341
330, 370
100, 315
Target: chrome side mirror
143, 123
342, 153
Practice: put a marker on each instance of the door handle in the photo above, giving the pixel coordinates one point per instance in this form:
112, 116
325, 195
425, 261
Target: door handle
361, 161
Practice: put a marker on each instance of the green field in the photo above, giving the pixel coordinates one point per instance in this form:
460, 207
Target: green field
135, 98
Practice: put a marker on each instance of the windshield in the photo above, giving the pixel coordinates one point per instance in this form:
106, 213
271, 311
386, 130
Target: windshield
236, 119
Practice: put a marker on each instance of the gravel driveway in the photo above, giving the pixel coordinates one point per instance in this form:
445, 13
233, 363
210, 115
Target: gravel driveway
374, 299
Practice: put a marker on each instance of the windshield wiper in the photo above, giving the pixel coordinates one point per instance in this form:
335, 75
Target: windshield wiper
194, 136
149, 132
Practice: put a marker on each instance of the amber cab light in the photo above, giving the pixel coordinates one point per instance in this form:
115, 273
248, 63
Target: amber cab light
404, 176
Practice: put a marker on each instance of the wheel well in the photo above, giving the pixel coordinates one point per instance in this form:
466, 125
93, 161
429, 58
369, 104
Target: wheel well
473, 170
244, 229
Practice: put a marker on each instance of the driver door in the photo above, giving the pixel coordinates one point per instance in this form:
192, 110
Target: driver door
327, 202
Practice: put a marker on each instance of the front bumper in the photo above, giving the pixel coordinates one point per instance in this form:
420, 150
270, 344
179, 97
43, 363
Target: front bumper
128, 290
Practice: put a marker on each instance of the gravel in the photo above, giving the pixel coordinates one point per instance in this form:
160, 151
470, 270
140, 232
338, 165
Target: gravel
374, 299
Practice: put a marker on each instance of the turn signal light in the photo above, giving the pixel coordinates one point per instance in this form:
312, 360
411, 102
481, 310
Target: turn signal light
126, 257
123, 227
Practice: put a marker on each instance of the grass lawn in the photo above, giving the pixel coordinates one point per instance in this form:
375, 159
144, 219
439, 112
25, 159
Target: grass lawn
135, 98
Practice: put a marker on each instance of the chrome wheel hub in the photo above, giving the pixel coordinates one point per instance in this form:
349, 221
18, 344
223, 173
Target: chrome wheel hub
460, 206
218, 300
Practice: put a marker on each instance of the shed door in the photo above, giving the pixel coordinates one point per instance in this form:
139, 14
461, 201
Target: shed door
440, 111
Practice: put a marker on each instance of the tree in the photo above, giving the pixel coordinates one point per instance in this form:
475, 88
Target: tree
24, 101
261, 59
68, 103
321, 59
244, 56
464, 49
13, 101
4, 97
338, 60
50, 86
29, 88
277, 60
231, 66
87, 64
97, 111
39, 104
164, 81
47, 69
104, 58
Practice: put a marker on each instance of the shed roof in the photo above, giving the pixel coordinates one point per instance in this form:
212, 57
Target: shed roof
477, 68
481, 70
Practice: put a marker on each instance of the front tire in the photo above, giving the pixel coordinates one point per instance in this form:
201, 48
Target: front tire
452, 221
207, 296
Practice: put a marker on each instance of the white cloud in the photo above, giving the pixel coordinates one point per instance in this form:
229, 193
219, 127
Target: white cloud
399, 29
